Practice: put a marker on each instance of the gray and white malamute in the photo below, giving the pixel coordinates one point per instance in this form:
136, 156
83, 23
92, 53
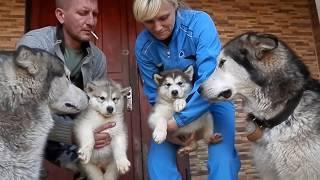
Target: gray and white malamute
282, 100
174, 87
32, 84
106, 104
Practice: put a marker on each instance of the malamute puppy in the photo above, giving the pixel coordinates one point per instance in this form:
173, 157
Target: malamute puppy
173, 89
106, 104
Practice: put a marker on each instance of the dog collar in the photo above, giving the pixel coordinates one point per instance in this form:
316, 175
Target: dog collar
254, 131
256, 125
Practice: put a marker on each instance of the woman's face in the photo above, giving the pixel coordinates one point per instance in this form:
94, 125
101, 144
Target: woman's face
161, 26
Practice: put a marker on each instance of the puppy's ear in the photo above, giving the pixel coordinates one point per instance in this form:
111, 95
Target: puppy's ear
90, 87
263, 43
27, 59
189, 72
157, 78
126, 91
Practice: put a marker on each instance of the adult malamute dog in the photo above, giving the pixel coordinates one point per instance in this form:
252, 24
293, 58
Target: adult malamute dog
30, 79
173, 89
282, 99
106, 104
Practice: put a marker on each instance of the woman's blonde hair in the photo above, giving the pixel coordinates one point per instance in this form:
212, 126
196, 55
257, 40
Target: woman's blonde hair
147, 9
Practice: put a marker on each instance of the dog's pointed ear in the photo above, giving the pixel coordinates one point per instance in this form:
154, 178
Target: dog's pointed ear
27, 59
157, 78
263, 43
90, 87
126, 91
189, 72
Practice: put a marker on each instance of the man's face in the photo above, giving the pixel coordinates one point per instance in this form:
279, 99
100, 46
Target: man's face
161, 26
80, 18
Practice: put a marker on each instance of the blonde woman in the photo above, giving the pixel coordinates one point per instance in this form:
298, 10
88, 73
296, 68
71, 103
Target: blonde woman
176, 37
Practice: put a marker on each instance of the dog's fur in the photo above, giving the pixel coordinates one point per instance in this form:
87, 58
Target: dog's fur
30, 80
106, 104
174, 87
273, 83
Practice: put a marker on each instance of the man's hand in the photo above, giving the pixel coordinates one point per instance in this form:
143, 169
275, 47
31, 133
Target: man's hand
101, 137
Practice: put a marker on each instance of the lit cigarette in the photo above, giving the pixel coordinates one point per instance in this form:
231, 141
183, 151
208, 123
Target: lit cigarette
94, 35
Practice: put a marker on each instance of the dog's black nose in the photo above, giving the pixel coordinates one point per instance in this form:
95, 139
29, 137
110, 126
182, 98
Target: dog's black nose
174, 93
200, 89
69, 105
226, 94
109, 109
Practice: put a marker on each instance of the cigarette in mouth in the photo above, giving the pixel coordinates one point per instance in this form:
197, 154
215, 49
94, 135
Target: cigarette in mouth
94, 35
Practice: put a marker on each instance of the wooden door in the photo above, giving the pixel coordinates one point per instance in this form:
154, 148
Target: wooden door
117, 31
113, 32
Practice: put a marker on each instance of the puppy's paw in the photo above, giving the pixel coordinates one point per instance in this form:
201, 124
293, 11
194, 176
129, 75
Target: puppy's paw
123, 165
179, 105
84, 154
159, 135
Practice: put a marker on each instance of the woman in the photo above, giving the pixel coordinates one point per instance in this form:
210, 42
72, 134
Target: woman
176, 37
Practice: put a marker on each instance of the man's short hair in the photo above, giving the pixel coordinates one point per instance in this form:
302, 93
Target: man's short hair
62, 3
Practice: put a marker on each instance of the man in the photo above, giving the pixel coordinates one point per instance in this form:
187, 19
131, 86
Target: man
84, 62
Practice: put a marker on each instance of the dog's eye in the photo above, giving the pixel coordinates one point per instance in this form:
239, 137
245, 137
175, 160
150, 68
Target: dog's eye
221, 63
102, 98
180, 83
115, 99
168, 84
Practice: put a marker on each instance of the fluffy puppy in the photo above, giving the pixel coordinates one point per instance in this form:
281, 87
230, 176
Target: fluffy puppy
173, 89
106, 104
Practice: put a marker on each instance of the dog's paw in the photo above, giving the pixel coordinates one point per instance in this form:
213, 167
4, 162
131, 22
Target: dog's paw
159, 135
179, 105
123, 165
84, 154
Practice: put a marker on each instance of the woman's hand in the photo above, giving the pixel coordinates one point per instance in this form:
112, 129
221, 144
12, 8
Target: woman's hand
172, 125
183, 140
179, 140
101, 137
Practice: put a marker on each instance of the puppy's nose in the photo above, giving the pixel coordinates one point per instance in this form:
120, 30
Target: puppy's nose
109, 109
174, 93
